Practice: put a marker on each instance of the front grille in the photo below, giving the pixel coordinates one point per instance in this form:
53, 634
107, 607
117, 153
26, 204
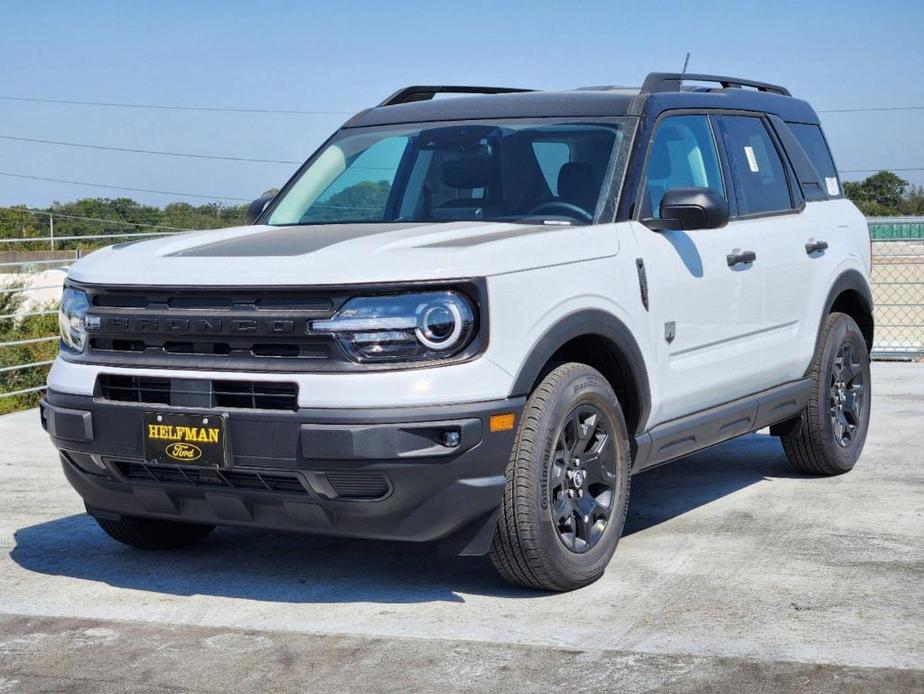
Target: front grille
255, 395
275, 481
249, 328
212, 348
238, 329
135, 389
358, 484
251, 395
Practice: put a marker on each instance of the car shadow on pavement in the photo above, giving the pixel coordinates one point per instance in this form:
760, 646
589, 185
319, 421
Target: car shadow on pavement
670, 490
288, 567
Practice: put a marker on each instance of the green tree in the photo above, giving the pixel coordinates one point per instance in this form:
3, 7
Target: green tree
365, 200
878, 195
19, 329
913, 202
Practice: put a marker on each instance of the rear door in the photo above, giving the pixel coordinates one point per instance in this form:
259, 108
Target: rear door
705, 309
770, 201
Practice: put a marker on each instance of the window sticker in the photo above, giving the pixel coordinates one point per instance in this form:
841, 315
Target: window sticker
752, 160
831, 183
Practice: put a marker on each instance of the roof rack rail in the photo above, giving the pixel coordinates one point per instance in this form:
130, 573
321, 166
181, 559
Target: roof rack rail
671, 82
423, 93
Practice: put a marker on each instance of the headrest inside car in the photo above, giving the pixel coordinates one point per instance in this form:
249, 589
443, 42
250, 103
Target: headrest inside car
576, 182
469, 167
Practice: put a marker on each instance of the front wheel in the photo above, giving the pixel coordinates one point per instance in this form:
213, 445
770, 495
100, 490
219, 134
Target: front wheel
834, 425
567, 488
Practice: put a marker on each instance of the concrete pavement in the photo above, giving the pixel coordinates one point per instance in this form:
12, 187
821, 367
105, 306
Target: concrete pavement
734, 573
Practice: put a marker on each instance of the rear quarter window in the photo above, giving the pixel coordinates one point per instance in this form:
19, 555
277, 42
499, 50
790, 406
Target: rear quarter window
813, 143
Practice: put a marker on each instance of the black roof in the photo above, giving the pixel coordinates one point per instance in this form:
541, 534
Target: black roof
661, 92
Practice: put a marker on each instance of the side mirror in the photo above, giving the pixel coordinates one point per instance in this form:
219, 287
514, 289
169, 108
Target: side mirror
255, 209
690, 209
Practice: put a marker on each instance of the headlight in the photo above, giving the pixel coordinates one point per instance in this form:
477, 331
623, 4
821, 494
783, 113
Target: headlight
72, 318
403, 327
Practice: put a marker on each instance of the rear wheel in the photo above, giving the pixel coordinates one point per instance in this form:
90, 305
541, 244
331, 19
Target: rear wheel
567, 486
149, 533
836, 420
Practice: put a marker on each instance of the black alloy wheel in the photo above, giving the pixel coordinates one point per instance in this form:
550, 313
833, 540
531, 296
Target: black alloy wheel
846, 395
567, 483
828, 437
582, 479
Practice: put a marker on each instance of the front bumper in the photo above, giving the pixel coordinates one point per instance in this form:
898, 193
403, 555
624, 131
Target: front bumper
359, 473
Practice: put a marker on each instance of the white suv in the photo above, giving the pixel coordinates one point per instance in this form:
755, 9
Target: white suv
470, 320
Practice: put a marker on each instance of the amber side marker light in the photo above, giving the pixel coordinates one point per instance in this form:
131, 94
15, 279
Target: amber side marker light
502, 422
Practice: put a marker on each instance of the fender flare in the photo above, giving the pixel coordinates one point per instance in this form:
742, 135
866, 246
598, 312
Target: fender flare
596, 323
848, 280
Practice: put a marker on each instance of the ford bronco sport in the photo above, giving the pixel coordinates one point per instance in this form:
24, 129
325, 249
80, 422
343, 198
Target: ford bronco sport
471, 319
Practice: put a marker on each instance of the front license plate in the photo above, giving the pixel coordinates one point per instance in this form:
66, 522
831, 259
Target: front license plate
184, 439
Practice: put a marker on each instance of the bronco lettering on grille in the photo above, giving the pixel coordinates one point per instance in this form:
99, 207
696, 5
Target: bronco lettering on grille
171, 325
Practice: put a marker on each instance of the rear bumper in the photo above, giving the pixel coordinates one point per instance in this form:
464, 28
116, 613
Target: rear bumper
360, 473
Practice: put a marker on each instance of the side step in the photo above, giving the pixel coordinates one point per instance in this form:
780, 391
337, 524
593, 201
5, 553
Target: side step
679, 437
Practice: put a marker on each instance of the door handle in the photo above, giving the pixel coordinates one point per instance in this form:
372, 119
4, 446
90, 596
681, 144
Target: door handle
739, 257
814, 246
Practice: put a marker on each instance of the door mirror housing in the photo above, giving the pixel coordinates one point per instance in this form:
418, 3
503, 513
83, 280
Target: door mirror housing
690, 209
255, 209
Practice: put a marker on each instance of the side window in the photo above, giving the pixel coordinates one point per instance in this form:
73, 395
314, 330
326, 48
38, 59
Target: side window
683, 155
814, 145
760, 179
551, 156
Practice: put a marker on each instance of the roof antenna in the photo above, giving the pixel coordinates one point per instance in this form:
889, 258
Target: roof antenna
686, 62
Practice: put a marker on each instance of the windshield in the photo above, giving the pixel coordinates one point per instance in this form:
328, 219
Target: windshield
515, 171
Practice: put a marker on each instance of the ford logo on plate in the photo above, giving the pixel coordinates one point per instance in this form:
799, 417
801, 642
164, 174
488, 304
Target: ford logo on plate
185, 452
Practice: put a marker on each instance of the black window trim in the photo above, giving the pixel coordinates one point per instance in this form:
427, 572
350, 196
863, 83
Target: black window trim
824, 138
608, 204
796, 199
795, 192
720, 153
793, 149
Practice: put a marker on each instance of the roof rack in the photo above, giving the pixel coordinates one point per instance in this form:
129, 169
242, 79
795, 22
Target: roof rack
672, 81
422, 93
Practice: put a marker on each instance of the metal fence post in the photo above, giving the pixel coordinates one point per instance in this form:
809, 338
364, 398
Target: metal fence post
51, 230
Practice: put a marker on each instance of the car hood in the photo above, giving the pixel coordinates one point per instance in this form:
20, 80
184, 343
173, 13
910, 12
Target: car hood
343, 254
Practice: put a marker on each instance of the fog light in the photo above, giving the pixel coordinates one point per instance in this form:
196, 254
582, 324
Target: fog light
451, 439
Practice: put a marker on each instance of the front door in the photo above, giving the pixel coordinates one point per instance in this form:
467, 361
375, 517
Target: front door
705, 302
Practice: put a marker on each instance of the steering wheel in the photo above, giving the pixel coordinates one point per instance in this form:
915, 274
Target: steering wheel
563, 208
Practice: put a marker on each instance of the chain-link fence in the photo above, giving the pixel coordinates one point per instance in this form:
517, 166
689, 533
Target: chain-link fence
898, 286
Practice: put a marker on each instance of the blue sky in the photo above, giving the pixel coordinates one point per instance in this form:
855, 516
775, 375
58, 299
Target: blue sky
346, 55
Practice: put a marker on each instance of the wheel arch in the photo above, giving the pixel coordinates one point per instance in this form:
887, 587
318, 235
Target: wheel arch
600, 340
851, 294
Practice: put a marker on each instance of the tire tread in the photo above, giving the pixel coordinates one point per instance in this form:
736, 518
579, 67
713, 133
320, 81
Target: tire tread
805, 450
515, 549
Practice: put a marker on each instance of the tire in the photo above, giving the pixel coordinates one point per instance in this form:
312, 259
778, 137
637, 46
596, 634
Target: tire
149, 533
566, 418
824, 444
